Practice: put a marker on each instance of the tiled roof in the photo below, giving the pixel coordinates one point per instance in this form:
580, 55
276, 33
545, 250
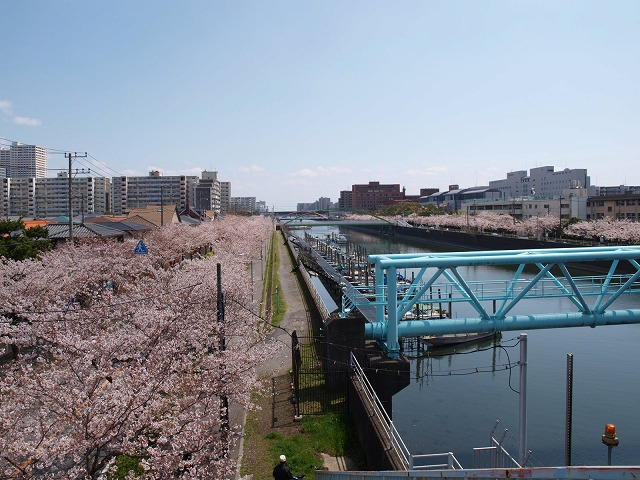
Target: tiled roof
156, 214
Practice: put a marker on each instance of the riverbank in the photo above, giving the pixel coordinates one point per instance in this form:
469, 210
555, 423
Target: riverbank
459, 240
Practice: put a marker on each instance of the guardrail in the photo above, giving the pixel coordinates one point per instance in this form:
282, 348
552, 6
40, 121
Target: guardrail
392, 434
543, 473
410, 462
494, 456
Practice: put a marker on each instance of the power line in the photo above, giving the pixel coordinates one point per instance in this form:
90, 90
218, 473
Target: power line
95, 163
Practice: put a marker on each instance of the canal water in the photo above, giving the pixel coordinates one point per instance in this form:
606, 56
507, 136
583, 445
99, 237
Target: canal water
454, 400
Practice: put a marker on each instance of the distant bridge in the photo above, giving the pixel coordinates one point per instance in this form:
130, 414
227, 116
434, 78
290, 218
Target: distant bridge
303, 222
316, 218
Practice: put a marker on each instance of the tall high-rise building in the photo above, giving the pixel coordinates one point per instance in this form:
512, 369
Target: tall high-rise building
5, 157
22, 161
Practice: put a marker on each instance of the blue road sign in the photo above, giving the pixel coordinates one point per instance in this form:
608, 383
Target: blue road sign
141, 248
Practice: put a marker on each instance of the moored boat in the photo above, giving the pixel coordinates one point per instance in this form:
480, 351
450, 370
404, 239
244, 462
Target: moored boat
448, 339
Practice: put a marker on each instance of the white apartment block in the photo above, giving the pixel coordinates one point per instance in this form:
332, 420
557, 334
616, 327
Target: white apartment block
49, 197
24, 161
89, 195
33, 197
5, 158
18, 197
541, 182
155, 189
242, 205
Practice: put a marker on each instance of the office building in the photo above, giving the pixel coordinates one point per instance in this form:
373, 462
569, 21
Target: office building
374, 195
541, 182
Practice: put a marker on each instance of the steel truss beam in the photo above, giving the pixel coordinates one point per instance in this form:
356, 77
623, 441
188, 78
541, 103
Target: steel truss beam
394, 299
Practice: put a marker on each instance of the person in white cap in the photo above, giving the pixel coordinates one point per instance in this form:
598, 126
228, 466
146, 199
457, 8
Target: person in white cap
281, 471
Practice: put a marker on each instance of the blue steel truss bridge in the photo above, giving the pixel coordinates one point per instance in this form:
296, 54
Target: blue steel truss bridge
388, 304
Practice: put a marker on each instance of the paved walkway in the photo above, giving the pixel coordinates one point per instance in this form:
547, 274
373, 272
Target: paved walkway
296, 317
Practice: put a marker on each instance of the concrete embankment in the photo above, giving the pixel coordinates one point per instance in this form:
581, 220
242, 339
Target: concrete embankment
458, 240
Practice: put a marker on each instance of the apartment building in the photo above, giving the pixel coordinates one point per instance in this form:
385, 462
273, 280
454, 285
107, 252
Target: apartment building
225, 197
323, 203
154, 189
49, 197
89, 195
23, 161
18, 197
242, 205
207, 194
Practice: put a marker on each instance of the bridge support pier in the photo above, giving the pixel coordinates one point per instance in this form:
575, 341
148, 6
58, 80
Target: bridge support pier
386, 375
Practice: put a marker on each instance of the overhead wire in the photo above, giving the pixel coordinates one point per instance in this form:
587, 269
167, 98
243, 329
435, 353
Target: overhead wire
97, 165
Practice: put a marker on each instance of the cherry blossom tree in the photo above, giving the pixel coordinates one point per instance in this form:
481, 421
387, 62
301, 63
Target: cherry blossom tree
124, 354
603, 230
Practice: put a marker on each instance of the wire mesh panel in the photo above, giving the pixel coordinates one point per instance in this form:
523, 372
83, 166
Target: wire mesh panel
319, 386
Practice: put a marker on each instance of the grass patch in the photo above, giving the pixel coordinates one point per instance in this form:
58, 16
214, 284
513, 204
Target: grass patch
278, 304
126, 464
302, 457
272, 296
332, 433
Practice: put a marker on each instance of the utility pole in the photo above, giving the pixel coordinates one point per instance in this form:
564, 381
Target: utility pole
224, 401
71, 156
560, 217
161, 204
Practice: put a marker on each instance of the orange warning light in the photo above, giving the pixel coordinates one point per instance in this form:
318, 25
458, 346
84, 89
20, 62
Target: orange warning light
609, 438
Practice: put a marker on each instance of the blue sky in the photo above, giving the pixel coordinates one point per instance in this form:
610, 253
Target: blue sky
293, 100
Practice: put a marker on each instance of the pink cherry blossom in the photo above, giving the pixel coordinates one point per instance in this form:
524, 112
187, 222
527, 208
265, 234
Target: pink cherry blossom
121, 353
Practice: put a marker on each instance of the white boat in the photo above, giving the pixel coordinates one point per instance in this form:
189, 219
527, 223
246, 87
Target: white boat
341, 239
454, 338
